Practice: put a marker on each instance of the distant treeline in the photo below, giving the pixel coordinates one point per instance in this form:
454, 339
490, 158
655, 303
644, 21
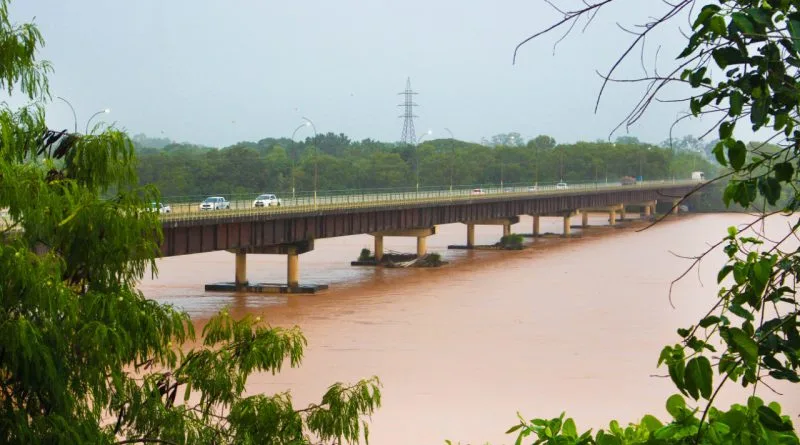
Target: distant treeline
341, 164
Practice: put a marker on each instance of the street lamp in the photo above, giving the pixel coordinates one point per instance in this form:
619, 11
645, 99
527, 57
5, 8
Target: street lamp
74, 116
294, 151
416, 154
452, 157
316, 155
106, 111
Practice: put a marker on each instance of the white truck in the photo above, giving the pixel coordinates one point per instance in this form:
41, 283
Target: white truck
698, 176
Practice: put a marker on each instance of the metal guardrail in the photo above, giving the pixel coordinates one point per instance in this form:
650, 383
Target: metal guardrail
309, 203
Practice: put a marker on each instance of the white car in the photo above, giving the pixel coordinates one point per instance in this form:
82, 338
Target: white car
562, 186
477, 192
266, 200
215, 203
160, 208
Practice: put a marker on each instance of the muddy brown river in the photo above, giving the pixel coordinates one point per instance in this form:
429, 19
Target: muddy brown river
571, 325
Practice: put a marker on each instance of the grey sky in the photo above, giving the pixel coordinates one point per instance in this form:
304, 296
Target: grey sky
217, 72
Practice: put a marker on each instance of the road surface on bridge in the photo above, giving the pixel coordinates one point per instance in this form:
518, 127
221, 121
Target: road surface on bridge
367, 200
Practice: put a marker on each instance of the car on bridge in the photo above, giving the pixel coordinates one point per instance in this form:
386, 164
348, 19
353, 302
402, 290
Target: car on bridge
477, 192
160, 208
562, 186
215, 203
267, 200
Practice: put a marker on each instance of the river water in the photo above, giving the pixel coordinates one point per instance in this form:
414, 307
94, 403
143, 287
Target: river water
570, 325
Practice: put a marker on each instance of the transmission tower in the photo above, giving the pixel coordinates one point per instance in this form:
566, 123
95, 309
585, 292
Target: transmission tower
409, 135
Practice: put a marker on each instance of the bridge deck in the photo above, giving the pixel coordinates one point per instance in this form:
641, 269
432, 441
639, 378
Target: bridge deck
195, 232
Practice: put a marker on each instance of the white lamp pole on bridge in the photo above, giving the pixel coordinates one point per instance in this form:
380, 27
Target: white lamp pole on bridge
74, 116
452, 157
316, 156
294, 151
416, 154
106, 111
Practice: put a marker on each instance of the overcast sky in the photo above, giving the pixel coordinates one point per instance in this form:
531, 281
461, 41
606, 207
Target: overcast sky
219, 72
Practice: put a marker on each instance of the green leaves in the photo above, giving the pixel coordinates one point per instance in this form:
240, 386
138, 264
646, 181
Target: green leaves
771, 420
737, 153
727, 56
699, 377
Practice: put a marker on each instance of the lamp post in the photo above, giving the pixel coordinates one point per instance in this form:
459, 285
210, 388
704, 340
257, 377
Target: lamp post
294, 151
316, 155
452, 157
416, 154
106, 111
74, 116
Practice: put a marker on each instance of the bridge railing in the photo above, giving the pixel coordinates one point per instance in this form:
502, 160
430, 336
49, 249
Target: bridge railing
188, 207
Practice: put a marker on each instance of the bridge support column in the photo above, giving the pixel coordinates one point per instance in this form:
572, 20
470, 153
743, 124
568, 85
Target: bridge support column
622, 212
584, 218
422, 246
421, 235
241, 269
567, 228
292, 268
675, 205
536, 225
505, 222
612, 217
292, 284
648, 209
378, 247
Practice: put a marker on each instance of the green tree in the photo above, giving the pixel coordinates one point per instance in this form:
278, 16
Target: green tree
84, 357
742, 64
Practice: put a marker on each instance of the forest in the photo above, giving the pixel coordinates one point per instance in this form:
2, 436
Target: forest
333, 162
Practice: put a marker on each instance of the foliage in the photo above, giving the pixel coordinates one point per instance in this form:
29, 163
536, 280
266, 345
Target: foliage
84, 357
275, 164
742, 63
433, 260
512, 242
365, 255
753, 423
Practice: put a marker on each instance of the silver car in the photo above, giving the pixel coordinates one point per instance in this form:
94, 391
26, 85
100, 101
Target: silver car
267, 200
215, 203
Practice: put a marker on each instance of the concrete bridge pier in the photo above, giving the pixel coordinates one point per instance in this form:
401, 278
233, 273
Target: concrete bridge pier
421, 235
292, 252
378, 247
611, 210
536, 225
470, 236
675, 204
505, 222
241, 269
648, 208
292, 268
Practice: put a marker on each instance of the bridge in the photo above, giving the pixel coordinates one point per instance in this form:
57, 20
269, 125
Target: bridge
291, 229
